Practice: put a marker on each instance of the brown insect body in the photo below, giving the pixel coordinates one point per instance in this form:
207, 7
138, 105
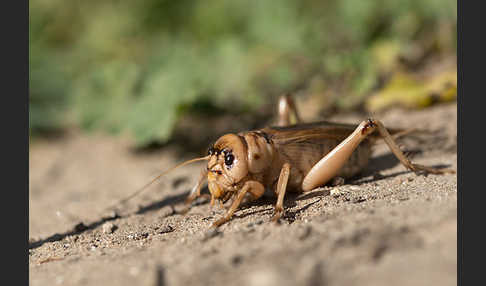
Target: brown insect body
260, 155
296, 158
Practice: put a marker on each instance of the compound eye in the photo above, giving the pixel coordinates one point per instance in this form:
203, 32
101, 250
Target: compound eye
228, 159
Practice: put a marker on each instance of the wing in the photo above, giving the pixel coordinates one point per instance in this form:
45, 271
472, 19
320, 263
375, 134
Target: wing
315, 133
311, 133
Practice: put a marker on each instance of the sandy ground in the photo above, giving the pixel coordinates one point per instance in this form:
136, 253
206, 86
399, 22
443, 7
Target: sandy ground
386, 227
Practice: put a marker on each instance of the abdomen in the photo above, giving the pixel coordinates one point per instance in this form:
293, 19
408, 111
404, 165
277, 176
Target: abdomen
303, 158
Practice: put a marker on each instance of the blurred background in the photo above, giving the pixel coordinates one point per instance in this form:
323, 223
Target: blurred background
160, 70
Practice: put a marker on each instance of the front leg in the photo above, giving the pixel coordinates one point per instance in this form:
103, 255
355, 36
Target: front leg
196, 190
255, 188
329, 166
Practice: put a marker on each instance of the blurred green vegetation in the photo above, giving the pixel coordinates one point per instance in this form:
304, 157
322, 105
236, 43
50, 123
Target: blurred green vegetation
138, 66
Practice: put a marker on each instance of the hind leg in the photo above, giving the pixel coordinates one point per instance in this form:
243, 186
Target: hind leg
400, 156
287, 108
329, 166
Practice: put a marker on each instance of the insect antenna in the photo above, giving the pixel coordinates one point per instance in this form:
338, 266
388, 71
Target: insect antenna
143, 188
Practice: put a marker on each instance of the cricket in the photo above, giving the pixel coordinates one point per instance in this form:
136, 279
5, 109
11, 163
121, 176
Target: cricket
289, 158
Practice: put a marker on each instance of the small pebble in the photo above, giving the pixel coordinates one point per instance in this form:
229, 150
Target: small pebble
335, 192
109, 227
